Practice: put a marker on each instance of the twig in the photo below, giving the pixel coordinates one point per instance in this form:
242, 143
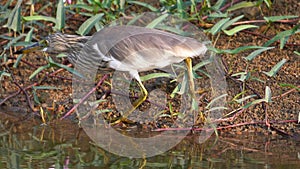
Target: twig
226, 127
264, 21
289, 91
85, 97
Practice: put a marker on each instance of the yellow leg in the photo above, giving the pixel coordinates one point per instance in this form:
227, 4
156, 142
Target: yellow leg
139, 101
136, 104
189, 66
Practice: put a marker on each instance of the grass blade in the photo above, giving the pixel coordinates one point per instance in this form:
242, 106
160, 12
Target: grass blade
232, 21
282, 35
157, 21
275, 69
37, 71
268, 94
13, 41
268, 3
14, 19
29, 35
173, 30
243, 4
218, 15
38, 18
277, 18
180, 8
238, 29
208, 106
45, 87
71, 70
86, 27
217, 27
155, 75
257, 52
60, 16
289, 85
233, 51
81, 6
201, 64
253, 103
152, 8
240, 101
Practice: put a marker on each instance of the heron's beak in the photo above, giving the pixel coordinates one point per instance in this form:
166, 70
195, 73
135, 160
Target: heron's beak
34, 47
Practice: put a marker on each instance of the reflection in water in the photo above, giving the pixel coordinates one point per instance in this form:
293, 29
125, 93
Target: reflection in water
64, 145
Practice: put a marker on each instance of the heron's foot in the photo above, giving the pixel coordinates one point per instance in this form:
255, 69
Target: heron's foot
123, 120
201, 119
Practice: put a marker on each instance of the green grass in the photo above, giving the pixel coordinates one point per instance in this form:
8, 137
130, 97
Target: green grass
23, 21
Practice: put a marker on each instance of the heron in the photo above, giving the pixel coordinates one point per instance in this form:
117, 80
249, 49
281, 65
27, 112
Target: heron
126, 48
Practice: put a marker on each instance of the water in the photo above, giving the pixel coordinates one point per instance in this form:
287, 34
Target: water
64, 145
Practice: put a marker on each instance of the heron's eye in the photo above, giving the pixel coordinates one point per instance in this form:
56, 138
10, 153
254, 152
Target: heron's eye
46, 42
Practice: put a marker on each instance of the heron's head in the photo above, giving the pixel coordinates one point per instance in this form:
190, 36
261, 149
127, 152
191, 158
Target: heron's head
58, 43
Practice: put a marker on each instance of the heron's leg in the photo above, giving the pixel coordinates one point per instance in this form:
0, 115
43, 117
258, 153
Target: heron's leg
143, 96
140, 100
136, 104
189, 66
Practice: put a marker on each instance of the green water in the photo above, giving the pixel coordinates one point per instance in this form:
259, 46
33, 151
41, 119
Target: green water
66, 146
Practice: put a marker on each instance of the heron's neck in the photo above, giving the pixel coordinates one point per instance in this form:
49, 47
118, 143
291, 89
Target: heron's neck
75, 48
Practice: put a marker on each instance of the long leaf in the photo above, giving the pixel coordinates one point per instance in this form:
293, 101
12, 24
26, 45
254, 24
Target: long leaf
232, 21
157, 21
146, 5
268, 3
218, 5
245, 98
13, 41
180, 8
155, 75
14, 19
268, 94
277, 18
45, 88
238, 29
60, 16
71, 70
218, 15
81, 6
39, 17
39, 70
201, 64
275, 69
282, 35
215, 100
217, 27
253, 103
234, 51
257, 52
173, 30
289, 85
243, 4
29, 35
86, 27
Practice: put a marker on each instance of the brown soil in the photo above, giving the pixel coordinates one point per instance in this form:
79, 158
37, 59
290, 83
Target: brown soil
285, 101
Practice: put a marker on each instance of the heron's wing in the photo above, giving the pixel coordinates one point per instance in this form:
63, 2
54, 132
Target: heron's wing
145, 47
138, 48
